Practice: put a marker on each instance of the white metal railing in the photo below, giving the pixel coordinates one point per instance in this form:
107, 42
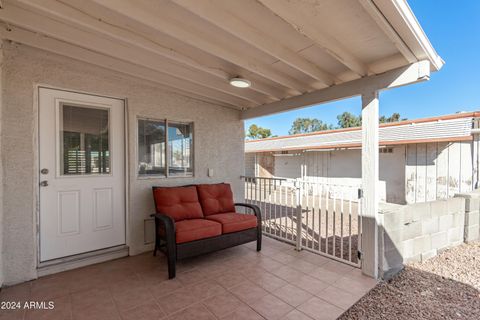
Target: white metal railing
318, 217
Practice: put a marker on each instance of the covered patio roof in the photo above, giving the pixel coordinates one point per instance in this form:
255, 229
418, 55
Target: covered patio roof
295, 53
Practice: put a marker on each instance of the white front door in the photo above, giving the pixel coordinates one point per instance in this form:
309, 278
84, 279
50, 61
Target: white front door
82, 173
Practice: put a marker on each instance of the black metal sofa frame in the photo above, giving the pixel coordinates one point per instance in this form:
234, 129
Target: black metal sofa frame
165, 241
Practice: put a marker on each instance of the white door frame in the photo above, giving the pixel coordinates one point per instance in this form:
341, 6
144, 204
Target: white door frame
36, 175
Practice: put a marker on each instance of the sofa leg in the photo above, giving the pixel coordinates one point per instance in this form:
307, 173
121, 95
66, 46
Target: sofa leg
171, 269
172, 265
157, 245
171, 259
259, 243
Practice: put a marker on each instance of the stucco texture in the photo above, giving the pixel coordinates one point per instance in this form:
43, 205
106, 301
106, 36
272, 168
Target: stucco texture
218, 144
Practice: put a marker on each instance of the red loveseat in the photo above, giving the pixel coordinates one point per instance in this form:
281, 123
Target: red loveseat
197, 219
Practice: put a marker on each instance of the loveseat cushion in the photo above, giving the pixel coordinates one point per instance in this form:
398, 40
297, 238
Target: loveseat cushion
215, 198
233, 222
196, 229
179, 203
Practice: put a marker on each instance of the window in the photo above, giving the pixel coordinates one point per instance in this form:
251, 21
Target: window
84, 136
155, 157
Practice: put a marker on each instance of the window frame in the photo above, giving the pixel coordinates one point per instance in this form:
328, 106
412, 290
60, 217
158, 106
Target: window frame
59, 142
167, 151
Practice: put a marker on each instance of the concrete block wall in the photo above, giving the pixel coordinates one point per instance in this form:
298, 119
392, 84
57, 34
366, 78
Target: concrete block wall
472, 215
416, 232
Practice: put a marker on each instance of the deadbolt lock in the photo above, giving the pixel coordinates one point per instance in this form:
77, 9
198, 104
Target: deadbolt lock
44, 171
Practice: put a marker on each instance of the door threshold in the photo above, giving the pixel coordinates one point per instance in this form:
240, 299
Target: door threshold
81, 260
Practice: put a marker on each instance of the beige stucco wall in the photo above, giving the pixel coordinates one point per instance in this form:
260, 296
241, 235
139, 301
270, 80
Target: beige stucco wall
218, 144
1, 167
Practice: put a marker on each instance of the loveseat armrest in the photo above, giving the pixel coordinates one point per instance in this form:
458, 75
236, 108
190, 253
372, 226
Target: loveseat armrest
255, 208
170, 243
258, 214
168, 223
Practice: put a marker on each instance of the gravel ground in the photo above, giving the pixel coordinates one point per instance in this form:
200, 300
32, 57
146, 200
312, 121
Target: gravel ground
444, 287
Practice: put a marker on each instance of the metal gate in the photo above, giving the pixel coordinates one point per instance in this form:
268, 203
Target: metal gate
319, 217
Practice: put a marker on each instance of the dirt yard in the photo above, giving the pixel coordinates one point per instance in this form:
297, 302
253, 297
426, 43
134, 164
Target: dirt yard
444, 287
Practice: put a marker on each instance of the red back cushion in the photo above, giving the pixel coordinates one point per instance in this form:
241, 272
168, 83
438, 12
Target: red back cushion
215, 198
179, 203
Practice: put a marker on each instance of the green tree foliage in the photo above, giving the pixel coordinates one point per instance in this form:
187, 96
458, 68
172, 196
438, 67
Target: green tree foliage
256, 132
305, 125
395, 117
348, 120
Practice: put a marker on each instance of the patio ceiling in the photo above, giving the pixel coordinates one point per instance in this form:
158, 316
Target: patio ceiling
286, 48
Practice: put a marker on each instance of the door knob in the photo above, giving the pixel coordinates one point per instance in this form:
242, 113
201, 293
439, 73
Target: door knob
44, 183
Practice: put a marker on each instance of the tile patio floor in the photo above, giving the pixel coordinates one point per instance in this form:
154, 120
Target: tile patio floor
237, 283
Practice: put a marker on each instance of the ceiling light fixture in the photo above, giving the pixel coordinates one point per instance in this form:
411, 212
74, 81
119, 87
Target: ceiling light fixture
240, 82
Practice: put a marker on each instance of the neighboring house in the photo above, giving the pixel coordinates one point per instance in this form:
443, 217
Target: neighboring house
420, 160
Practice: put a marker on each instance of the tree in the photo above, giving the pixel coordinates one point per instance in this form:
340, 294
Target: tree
256, 132
305, 125
348, 120
395, 117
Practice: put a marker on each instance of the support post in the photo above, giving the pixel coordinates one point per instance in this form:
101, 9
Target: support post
370, 174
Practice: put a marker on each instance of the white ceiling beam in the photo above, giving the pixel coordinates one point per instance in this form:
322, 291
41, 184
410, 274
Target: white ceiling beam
415, 72
69, 14
372, 9
32, 21
299, 15
226, 20
133, 10
400, 16
62, 48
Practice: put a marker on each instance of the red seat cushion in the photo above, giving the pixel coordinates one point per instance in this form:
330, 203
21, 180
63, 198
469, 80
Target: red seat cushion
215, 198
178, 202
196, 229
233, 222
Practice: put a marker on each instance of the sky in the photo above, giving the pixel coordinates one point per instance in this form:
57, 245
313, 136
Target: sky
453, 28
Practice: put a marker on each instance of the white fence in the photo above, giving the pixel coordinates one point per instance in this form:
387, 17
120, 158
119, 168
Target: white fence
318, 217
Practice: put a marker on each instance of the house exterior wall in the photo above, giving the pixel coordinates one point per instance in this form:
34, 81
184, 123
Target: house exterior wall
265, 164
411, 173
1, 166
288, 166
25, 67
250, 164
343, 167
439, 170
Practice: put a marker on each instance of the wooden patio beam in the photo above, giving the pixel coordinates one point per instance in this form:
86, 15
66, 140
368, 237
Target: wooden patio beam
214, 88
372, 9
300, 19
415, 72
75, 16
134, 10
59, 47
227, 21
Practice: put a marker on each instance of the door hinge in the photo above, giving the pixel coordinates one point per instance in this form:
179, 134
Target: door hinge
360, 193
359, 255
